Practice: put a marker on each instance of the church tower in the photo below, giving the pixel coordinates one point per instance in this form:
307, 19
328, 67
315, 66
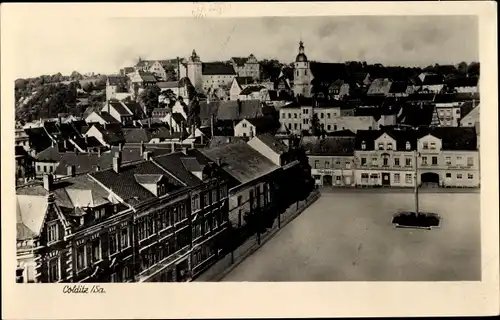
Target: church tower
194, 71
302, 76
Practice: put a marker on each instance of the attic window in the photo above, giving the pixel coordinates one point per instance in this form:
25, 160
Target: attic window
363, 145
408, 145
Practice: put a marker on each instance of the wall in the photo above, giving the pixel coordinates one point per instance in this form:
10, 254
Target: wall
354, 123
235, 90
244, 129
263, 149
235, 210
93, 132
292, 119
216, 81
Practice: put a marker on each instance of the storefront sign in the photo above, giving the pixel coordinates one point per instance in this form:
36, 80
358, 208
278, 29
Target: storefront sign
323, 171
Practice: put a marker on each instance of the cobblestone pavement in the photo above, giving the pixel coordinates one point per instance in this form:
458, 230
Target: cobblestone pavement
348, 236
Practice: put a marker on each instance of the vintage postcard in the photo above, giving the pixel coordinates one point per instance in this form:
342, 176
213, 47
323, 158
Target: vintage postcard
249, 160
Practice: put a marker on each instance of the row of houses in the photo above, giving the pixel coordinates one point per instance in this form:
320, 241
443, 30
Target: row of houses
161, 218
393, 157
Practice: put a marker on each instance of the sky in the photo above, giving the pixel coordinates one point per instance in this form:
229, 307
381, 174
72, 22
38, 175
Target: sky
106, 45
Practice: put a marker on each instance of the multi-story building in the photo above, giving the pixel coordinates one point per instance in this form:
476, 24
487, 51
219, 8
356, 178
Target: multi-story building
246, 67
117, 87
385, 158
448, 156
156, 220
332, 161
291, 117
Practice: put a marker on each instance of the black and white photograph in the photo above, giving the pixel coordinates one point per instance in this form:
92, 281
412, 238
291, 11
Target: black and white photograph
206, 148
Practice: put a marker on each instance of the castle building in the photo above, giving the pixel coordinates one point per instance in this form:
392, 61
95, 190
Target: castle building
246, 67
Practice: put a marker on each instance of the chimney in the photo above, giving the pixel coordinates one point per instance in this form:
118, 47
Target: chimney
218, 162
117, 159
120, 146
184, 150
71, 170
147, 155
65, 145
105, 125
143, 148
149, 122
239, 106
201, 137
86, 139
97, 168
172, 145
99, 152
48, 180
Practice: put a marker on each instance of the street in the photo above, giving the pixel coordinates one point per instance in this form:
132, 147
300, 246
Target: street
348, 236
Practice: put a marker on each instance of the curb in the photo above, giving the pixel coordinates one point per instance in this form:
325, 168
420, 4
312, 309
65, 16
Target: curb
268, 237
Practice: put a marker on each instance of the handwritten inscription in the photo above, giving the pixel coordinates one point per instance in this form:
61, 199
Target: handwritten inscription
202, 10
83, 289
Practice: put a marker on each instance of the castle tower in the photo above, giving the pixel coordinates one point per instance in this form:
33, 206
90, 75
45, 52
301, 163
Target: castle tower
194, 71
302, 76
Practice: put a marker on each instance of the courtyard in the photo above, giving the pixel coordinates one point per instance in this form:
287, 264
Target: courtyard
347, 235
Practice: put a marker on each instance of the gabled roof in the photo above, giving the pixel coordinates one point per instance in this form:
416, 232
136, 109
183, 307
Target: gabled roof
50, 154
217, 141
251, 89
173, 163
147, 76
262, 124
453, 138
398, 87
241, 161
401, 137
272, 143
217, 68
244, 81
111, 134
341, 133
433, 79
229, 110
331, 146
379, 86
239, 61
125, 186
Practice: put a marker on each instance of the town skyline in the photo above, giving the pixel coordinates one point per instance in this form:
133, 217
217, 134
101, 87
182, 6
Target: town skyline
121, 41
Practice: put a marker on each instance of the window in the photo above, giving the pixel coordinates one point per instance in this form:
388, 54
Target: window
426, 145
408, 145
364, 177
374, 161
52, 232
316, 164
363, 145
470, 176
80, 258
459, 176
114, 277
347, 164
295, 115
113, 243
96, 250
38, 168
328, 115
448, 160
327, 164
283, 115
329, 127
433, 145
195, 202
396, 178
408, 178
214, 196
408, 162
396, 162
434, 161
44, 168
124, 240
206, 201
470, 161
424, 161
389, 146
448, 175
381, 146
295, 126
289, 126
289, 115
322, 115
386, 161
223, 191
53, 270
363, 161
334, 127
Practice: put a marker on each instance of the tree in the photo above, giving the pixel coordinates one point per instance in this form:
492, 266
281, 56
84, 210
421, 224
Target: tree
76, 76
462, 68
101, 81
193, 114
20, 84
315, 126
88, 86
473, 69
149, 97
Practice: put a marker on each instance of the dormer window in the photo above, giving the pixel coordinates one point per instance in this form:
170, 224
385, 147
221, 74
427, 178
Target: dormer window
426, 145
363, 145
408, 145
389, 146
433, 145
381, 146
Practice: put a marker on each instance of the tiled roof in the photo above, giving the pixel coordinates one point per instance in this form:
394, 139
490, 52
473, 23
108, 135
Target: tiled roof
331, 146
263, 124
174, 165
239, 61
250, 89
229, 110
341, 133
379, 86
112, 134
455, 97
115, 80
453, 138
398, 87
120, 108
241, 161
466, 108
178, 118
244, 80
273, 143
462, 82
124, 184
433, 79
416, 114
148, 178
217, 141
108, 118
147, 76
50, 154
217, 68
